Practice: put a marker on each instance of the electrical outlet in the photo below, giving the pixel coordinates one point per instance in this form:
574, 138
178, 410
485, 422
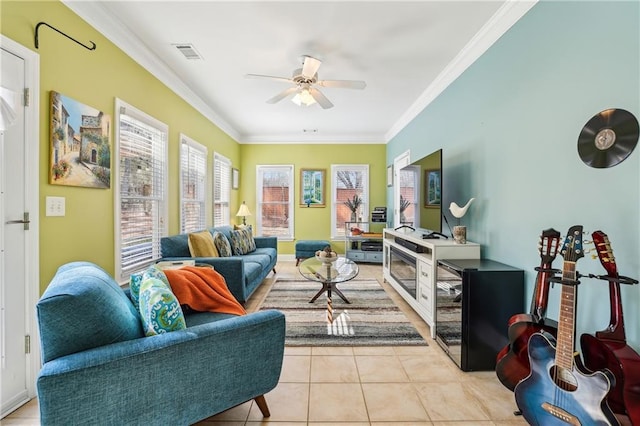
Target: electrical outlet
55, 206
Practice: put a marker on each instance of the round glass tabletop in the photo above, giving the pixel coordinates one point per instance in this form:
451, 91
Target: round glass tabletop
339, 271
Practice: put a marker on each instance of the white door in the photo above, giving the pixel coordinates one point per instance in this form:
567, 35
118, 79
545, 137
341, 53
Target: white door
16, 260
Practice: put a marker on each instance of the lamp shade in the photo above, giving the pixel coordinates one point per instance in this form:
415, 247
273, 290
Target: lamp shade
243, 210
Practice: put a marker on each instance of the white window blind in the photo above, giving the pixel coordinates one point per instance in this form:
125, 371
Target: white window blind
141, 188
409, 181
348, 181
193, 179
221, 189
275, 201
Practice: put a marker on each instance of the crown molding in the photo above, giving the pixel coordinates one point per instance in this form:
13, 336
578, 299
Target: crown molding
333, 139
100, 18
504, 18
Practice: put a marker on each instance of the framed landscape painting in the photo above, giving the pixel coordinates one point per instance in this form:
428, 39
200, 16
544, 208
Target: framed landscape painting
433, 191
312, 187
80, 148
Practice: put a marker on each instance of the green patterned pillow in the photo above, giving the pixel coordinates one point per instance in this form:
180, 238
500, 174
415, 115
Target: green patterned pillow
242, 241
136, 280
159, 308
222, 244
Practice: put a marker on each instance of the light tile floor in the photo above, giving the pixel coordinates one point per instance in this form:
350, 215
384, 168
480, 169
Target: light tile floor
357, 386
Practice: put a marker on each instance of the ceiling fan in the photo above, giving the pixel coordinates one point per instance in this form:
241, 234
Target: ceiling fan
304, 80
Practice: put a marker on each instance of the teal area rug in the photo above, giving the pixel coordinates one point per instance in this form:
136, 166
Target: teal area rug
372, 318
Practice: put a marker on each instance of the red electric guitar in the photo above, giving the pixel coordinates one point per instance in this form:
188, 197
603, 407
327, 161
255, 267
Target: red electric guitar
512, 362
608, 348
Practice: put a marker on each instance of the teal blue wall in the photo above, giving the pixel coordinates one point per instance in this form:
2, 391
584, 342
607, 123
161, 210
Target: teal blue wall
509, 126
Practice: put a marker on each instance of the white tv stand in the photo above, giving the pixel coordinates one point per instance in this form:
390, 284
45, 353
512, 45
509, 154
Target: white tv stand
425, 263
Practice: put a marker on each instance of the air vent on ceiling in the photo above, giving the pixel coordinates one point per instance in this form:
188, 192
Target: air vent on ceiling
309, 130
188, 51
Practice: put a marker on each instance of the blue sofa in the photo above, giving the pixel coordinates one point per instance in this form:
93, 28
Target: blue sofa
98, 368
243, 273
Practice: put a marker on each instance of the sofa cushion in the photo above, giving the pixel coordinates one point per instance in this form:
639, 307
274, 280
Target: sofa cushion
242, 241
263, 259
269, 251
222, 244
201, 244
175, 246
252, 271
82, 308
160, 310
136, 279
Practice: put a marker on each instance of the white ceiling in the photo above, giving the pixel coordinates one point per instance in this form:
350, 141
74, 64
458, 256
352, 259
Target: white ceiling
407, 52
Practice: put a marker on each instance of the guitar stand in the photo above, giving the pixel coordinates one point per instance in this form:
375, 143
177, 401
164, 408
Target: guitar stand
565, 281
550, 270
619, 279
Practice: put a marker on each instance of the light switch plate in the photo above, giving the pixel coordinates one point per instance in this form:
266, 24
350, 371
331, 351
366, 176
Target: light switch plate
55, 206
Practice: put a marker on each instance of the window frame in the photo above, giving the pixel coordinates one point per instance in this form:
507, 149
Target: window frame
260, 169
218, 161
335, 168
200, 152
161, 222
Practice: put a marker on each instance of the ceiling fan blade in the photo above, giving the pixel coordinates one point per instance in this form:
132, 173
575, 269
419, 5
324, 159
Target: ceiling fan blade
310, 66
343, 84
320, 98
280, 96
270, 77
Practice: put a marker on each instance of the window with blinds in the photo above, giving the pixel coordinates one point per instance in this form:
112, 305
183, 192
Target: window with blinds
193, 183
348, 181
221, 189
409, 186
140, 188
275, 201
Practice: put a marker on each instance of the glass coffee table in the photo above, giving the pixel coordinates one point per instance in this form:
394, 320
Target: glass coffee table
329, 274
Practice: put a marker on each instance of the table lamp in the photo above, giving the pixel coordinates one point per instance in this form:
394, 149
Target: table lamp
244, 212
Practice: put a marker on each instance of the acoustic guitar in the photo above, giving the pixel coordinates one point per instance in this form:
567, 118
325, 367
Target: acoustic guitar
558, 391
512, 362
609, 349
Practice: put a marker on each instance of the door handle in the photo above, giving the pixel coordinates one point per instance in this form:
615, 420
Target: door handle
24, 221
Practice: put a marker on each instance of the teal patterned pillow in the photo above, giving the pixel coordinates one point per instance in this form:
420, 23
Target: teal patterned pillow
242, 241
136, 280
222, 244
159, 308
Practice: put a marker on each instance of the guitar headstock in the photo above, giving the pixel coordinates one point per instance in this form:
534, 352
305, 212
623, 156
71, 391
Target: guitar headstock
572, 248
603, 247
549, 244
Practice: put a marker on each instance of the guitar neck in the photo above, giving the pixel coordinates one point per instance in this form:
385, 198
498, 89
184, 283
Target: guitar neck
566, 321
541, 294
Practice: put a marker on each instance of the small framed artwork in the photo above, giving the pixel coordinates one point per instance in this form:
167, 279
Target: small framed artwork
390, 175
312, 187
235, 178
432, 188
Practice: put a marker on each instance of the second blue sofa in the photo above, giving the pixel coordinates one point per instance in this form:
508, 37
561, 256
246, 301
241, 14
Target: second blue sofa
243, 273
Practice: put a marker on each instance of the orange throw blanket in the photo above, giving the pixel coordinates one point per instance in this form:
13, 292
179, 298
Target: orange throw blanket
203, 289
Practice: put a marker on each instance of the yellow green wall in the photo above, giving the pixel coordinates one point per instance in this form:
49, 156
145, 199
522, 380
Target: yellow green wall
312, 223
96, 78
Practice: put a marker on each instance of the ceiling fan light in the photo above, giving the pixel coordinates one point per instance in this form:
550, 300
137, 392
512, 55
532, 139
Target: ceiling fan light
303, 98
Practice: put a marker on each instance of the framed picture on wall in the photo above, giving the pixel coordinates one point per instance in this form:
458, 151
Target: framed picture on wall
312, 187
432, 188
80, 147
390, 175
235, 178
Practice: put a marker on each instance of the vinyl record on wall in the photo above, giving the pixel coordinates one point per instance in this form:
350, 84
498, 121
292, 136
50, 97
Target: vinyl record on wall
608, 138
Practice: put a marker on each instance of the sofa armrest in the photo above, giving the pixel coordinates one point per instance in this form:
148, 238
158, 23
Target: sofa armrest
266, 242
174, 378
231, 268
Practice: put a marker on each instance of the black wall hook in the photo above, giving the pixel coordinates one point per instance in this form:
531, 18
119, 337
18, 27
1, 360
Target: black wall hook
93, 47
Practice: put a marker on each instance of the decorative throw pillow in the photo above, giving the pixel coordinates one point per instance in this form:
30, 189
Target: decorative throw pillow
201, 244
159, 308
136, 279
222, 244
242, 241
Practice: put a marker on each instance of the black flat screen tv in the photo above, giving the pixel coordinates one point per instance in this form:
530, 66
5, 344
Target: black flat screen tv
421, 191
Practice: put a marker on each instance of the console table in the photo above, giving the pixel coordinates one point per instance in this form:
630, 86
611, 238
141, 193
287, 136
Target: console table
410, 263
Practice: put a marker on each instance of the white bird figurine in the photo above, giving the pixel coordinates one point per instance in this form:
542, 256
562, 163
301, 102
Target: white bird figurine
458, 211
